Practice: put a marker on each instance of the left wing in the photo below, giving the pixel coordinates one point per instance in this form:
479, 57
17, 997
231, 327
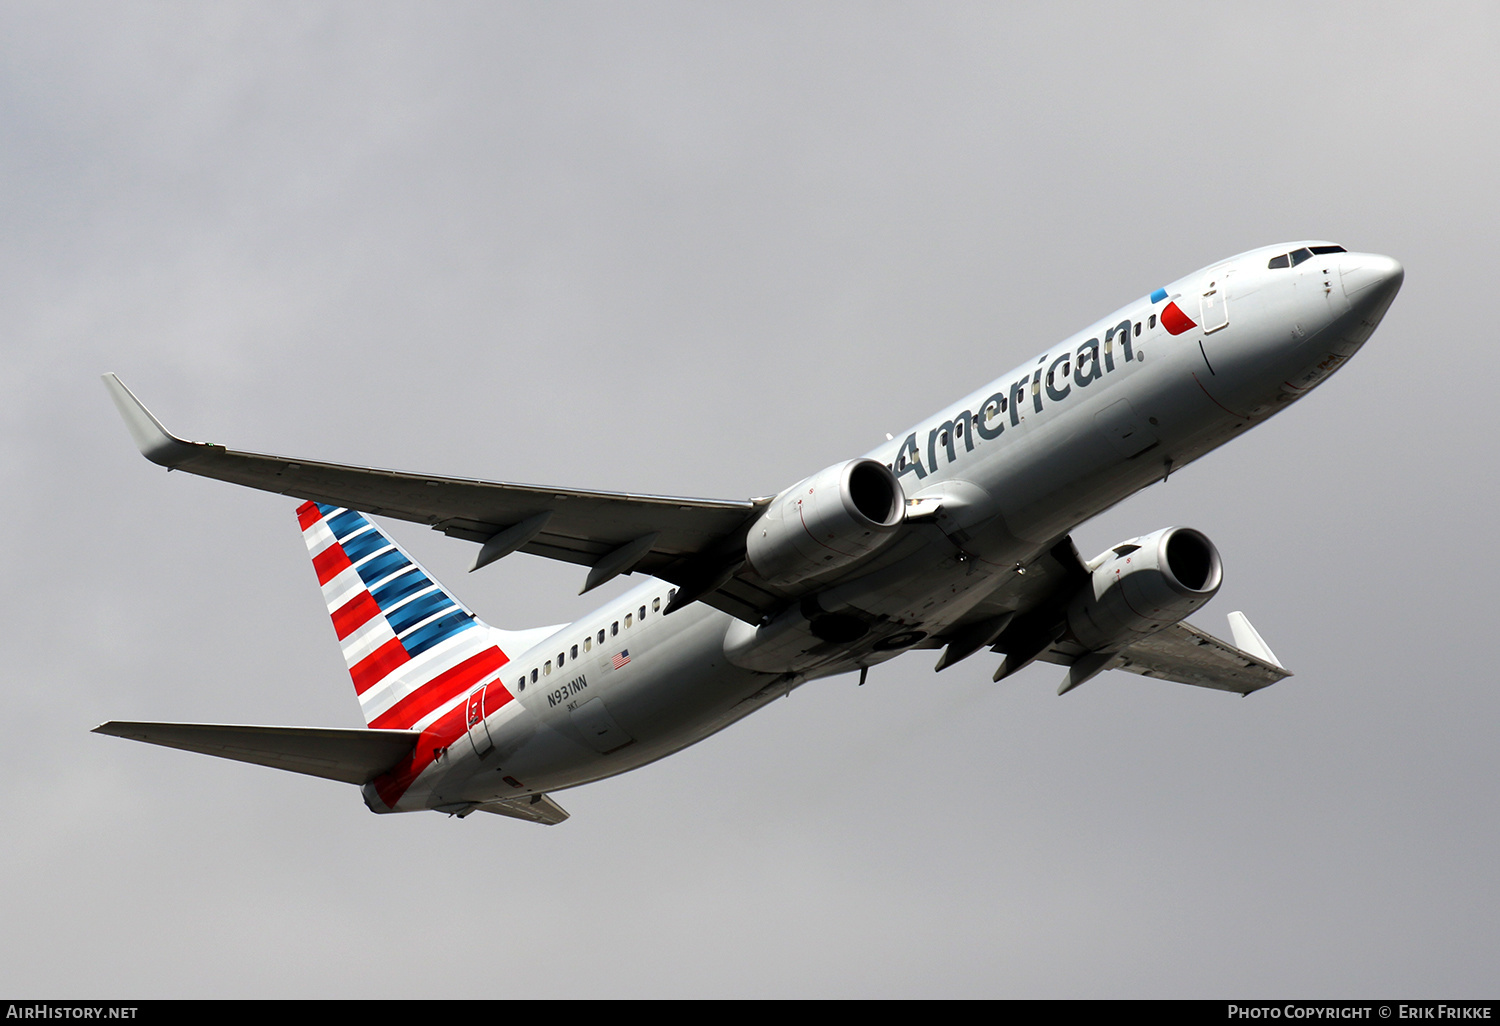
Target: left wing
697, 544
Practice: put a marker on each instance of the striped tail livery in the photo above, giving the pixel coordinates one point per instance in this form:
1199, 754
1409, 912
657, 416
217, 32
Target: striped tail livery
412, 650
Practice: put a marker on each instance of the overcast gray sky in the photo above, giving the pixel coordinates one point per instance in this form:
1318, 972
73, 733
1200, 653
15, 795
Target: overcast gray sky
707, 249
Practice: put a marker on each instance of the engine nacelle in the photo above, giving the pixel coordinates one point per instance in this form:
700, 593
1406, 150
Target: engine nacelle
826, 522
1143, 586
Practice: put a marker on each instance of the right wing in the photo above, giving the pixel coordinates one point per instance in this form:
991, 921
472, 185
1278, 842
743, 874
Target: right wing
1188, 655
697, 544
1025, 619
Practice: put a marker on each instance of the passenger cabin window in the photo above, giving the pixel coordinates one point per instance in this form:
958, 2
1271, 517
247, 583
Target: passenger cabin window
560, 660
573, 651
601, 635
627, 621
588, 643
1151, 321
547, 667
655, 605
533, 675
1138, 329
614, 628
643, 614
521, 684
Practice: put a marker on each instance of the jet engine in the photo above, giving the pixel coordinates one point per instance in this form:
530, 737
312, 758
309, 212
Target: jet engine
826, 522
1142, 586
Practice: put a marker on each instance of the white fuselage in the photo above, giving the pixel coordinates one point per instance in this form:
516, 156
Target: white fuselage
1014, 466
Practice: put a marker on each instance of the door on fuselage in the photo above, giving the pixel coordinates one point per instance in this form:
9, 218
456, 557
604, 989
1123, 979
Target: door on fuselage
479, 732
1214, 306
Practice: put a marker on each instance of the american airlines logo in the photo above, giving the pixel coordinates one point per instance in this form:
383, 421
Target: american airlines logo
1053, 381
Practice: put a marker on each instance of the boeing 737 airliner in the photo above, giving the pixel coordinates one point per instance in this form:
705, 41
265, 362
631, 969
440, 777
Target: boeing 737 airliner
953, 536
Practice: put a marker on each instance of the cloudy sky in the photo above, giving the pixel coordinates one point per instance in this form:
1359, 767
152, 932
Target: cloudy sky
707, 249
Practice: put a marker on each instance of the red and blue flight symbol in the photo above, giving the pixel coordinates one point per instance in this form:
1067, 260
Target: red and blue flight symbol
1172, 317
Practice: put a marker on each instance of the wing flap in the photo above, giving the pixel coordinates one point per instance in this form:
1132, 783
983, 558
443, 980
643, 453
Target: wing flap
354, 756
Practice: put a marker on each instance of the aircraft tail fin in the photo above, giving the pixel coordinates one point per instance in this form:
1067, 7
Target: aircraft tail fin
413, 650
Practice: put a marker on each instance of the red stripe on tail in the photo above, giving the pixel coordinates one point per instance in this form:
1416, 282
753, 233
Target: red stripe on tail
434, 739
354, 614
376, 666
308, 514
330, 563
443, 688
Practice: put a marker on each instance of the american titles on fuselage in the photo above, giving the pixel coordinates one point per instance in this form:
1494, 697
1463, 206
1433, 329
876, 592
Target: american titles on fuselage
1054, 377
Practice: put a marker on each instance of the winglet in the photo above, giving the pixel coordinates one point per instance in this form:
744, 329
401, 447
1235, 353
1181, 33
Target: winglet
1248, 639
156, 443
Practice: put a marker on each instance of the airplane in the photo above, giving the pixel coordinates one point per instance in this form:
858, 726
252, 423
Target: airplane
953, 536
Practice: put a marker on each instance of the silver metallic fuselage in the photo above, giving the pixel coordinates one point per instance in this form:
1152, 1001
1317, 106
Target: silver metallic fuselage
1007, 486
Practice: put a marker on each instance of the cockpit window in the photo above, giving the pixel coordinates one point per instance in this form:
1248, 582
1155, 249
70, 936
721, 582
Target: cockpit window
1294, 258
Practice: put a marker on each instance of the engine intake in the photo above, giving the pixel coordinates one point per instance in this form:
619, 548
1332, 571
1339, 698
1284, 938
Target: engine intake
1142, 586
826, 522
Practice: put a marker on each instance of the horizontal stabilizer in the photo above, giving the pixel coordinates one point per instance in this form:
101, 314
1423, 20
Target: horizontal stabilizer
538, 809
355, 756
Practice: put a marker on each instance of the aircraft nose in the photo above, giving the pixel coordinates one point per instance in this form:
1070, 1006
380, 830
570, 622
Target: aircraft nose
1370, 282
1370, 279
